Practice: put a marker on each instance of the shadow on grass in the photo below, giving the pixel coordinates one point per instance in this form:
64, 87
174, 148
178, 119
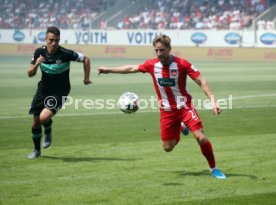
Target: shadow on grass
241, 175
89, 159
205, 173
173, 184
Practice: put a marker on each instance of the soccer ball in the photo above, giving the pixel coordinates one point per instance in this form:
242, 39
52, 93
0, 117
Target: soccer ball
128, 102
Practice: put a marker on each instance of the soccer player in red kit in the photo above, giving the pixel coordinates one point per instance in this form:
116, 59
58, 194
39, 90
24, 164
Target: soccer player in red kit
169, 75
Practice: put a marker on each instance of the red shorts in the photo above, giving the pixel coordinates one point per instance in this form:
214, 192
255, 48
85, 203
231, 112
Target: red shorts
170, 122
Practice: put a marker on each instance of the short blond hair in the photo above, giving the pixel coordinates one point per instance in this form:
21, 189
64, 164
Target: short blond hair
164, 39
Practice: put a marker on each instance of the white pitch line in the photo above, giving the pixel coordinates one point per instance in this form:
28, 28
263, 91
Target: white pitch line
252, 96
75, 114
150, 111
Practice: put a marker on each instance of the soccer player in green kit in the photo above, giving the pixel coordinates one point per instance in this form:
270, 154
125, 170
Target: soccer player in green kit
54, 86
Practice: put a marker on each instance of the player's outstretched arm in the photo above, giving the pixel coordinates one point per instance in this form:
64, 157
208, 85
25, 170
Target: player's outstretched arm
86, 68
122, 69
204, 86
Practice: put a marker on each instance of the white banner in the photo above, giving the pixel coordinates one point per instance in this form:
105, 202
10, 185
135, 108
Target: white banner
191, 38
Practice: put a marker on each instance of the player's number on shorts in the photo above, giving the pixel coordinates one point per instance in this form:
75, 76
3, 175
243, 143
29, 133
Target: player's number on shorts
194, 115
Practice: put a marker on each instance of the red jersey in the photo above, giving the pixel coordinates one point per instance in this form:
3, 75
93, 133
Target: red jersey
170, 81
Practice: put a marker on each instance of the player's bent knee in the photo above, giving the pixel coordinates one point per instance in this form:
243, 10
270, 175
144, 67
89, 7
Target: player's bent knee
168, 146
199, 135
168, 149
45, 116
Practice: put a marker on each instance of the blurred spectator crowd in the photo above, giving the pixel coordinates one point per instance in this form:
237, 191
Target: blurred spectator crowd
65, 14
195, 14
158, 14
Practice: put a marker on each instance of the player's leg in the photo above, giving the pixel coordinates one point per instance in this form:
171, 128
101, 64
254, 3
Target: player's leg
52, 105
46, 119
193, 122
36, 137
205, 147
207, 151
36, 107
40, 116
170, 128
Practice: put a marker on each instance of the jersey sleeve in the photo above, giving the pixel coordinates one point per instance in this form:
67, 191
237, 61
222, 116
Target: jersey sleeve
191, 70
77, 56
145, 67
36, 55
73, 55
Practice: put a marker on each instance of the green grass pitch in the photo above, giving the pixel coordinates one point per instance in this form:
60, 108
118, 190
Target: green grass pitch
106, 157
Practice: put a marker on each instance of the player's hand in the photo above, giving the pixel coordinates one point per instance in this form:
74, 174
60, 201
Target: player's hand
40, 60
87, 81
216, 109
102, 69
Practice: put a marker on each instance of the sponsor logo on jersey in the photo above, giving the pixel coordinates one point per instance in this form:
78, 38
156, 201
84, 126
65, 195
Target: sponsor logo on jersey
199, 38
268, 38
233, 38
58, 61
166, 82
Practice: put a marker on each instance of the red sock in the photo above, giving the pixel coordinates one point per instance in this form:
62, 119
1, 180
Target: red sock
207, 151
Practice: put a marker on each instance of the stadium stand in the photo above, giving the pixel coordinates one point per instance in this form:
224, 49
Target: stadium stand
134, 14
196, 14
267, 20
65, 14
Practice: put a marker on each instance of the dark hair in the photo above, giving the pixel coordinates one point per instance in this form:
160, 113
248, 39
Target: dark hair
54, 30
164, 39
